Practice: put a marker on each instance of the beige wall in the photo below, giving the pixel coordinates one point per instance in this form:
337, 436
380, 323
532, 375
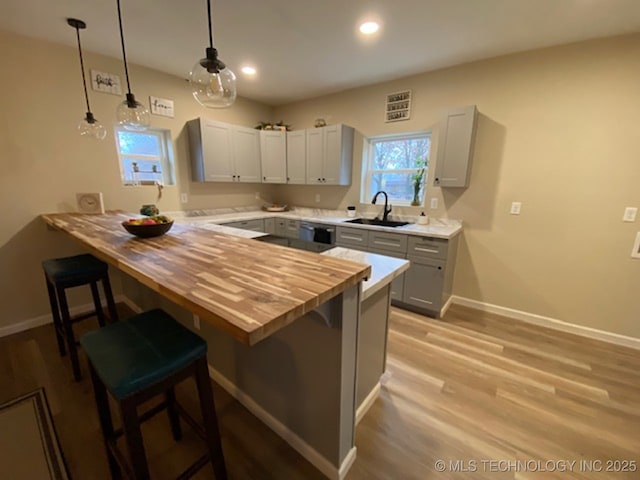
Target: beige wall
44, 162
559, 132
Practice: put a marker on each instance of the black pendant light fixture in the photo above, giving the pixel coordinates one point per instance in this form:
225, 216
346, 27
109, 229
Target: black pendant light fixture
89, 127
131, 114
212, 83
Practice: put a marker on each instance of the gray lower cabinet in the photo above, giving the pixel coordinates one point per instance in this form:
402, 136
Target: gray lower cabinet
287, 227
427, 285
352, 238
253, 225
269, 225
397, 285
423, 283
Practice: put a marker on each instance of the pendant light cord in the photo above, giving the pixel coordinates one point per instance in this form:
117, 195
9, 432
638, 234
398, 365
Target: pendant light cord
210, 24
124, 54
84, 79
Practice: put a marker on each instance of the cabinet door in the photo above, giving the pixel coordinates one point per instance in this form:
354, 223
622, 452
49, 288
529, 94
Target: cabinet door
297, 157
280, 227
270, 225
315, 155
455, 147
217, 155
338, 154
246, 150
332, 158
423, 283
292, 229
273, 156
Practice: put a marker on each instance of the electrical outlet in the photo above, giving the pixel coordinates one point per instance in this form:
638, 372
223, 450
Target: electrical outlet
317, 198
434, 203
196, 322
515, 208
257, 195
629, 214
184, 198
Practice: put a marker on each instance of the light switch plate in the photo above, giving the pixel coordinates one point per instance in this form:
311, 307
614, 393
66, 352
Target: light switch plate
434, 203
630, 214
635, 253
184, 198
515, 208
90, 202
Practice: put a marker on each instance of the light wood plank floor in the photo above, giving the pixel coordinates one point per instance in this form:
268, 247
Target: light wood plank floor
475, 390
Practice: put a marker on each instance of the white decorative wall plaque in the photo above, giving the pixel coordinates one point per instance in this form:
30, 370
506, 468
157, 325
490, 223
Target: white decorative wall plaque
161, 106
105, 82
398, 106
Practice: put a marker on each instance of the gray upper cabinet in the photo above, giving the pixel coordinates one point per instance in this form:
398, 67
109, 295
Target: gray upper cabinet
297, 157
329, 155
221, 152
455, 147
273, 155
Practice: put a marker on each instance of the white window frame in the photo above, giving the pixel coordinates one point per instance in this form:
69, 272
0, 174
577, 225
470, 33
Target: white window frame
165, 158
367, 161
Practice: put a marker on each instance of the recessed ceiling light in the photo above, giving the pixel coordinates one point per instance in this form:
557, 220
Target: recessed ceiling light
248, 70
369, 28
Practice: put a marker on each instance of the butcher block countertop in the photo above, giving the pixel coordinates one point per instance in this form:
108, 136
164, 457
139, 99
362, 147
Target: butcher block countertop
247, 288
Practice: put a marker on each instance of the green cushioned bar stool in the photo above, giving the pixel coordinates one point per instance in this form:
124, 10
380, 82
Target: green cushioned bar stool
69, 272
140, 358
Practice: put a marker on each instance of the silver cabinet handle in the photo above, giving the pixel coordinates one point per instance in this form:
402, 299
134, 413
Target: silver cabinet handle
386, 243
349, 237
429, 250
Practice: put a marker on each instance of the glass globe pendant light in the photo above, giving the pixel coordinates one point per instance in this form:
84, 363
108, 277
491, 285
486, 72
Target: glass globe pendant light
89, 127
131, 114
213, 85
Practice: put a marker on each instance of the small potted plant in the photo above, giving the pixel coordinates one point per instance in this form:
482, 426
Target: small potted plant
417, 180
273, 126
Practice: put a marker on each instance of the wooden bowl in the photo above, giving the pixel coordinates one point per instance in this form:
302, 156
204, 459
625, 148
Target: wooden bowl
148, 231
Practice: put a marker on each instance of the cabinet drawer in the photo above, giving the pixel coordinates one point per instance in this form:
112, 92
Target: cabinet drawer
427, 247
391, 242
352, 236
254, 225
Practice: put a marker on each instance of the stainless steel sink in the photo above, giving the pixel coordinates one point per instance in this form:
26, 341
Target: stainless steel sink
375, 221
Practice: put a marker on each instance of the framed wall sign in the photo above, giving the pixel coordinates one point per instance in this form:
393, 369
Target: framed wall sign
105, 82
398, 106
161, 106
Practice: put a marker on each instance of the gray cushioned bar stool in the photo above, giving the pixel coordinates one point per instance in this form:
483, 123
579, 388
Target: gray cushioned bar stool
140, 358
69, 272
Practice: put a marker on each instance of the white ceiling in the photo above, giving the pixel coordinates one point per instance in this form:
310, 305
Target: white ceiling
305, 48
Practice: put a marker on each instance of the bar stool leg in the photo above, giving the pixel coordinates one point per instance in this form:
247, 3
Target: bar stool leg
172, 411
207, 405
106, 422
57, 323
96, 303
68, 330
133, 436
111, 305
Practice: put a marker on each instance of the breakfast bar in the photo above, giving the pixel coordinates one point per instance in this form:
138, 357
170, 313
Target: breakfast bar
281, 324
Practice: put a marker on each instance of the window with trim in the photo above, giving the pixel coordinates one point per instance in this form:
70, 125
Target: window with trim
398, 165
146, 157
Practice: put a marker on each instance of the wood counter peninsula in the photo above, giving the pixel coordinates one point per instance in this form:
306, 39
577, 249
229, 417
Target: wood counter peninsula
281, 324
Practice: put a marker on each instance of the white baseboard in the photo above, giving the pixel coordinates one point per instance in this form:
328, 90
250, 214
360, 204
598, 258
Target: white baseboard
302, 447
48, 318
553, 323
367, 402
446, 306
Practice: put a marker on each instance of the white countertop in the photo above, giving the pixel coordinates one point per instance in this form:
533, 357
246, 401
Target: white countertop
440, 228
383, 269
